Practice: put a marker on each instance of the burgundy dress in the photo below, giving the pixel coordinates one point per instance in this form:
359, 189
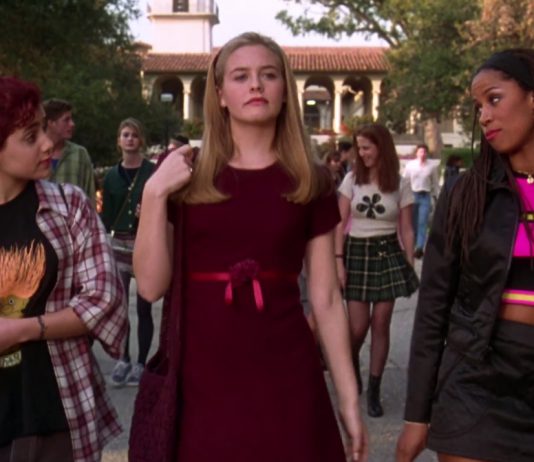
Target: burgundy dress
252, 386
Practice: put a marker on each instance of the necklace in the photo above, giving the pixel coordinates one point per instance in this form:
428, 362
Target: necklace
130, 176
130, 173
529, 175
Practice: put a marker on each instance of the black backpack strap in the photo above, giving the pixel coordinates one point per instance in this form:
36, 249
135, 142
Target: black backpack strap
62, 191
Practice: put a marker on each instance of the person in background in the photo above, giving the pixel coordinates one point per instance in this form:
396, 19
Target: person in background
333, 161
70, 161
470, 393
60, 291
452, 169
250, 376
176, 141
371, 266
122, 191
423, 176
346, 150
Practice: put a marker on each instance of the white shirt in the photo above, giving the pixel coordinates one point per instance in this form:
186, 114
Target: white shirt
423, 177
373, 212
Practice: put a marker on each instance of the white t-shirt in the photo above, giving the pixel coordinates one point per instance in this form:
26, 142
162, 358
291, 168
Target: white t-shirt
373, 212
423, 177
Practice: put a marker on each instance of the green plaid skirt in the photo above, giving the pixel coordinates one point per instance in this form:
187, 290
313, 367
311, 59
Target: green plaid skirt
377, 269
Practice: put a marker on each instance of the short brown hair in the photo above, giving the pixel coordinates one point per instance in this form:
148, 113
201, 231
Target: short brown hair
54, 108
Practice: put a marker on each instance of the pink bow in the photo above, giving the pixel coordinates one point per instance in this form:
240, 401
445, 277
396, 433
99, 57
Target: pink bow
241, 273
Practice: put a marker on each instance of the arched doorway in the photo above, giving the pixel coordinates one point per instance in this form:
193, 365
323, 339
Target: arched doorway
172, 86
317, 101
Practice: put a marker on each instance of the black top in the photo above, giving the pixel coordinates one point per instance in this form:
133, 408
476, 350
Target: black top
29, 397
119, 210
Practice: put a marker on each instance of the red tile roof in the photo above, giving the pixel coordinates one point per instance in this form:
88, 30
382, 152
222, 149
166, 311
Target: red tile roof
302, 59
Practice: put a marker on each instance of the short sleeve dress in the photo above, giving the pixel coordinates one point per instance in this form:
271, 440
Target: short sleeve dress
252, 388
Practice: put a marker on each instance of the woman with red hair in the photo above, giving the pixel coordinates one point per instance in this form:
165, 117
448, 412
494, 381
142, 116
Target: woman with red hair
59, 291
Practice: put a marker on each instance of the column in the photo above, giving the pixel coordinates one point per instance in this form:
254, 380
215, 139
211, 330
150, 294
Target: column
375, 102
301, 84
187, 98
147, 86
338, 89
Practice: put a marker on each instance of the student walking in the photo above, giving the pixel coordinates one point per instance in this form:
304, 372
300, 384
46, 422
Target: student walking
251, 383
372, 268
470, 382
60, 292
123, 187
423, 176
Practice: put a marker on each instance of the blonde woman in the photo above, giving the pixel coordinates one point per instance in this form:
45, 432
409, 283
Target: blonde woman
123, 187
255, 205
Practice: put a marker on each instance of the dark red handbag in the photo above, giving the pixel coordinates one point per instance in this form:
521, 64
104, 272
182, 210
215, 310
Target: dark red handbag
154, 430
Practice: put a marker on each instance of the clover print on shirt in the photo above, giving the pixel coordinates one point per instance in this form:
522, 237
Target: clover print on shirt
371, 205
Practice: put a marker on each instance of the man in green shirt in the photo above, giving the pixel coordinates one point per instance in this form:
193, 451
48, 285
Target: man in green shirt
70, 162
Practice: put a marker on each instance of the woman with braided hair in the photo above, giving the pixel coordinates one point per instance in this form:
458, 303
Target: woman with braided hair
470, 382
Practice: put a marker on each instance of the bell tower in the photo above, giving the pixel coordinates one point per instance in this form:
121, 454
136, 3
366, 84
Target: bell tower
182, 26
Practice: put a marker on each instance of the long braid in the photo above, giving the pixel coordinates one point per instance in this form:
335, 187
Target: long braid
468, 200
468, 196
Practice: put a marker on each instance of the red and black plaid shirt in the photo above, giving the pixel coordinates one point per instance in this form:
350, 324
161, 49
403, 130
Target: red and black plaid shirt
89, 283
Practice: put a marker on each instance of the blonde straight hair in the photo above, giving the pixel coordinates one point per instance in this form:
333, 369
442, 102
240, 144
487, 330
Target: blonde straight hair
291, 142
136, 125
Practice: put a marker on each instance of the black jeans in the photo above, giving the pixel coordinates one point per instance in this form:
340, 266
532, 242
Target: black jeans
145, 323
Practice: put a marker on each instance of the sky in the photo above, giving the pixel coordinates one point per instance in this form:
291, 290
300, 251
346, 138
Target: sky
236, 16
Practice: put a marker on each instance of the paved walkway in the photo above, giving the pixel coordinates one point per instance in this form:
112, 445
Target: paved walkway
383, 431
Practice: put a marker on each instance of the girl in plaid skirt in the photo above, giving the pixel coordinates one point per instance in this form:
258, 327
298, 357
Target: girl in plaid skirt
372, 267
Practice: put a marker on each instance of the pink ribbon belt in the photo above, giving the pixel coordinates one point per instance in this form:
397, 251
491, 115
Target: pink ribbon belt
239, 274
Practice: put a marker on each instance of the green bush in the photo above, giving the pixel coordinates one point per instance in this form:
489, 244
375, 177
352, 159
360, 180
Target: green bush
464, 153
193, 128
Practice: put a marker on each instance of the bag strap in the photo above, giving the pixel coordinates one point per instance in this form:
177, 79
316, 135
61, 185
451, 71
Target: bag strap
125, 202
170, 330
62, 192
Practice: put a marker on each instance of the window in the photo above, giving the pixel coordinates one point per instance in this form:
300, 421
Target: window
180, 6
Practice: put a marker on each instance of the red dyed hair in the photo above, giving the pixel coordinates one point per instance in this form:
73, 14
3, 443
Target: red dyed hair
19, 100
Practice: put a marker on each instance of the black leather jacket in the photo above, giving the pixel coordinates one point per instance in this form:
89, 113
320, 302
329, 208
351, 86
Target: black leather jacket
458, 302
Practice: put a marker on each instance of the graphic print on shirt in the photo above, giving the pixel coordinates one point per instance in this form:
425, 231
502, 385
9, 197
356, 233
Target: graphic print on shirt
21, 271
371, 205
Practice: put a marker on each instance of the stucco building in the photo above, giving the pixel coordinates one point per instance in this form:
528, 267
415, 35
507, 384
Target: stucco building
334, 84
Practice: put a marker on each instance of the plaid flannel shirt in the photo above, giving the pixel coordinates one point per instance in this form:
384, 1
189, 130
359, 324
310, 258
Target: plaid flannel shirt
89, 283
75, 167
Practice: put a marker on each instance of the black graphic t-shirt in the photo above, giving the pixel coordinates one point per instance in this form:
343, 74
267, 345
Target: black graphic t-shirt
29, 395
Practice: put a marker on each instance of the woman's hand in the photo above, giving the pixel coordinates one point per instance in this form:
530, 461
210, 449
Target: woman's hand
12, 332
341, 275
8, 334
412, 441
173, 173
358, 443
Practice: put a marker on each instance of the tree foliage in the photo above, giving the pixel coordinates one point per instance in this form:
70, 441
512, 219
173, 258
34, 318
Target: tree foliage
429, 67
81, 51
434, 44
502, 24
386, 19
425, 47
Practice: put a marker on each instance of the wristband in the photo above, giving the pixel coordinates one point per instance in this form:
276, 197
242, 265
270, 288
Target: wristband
42, 327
